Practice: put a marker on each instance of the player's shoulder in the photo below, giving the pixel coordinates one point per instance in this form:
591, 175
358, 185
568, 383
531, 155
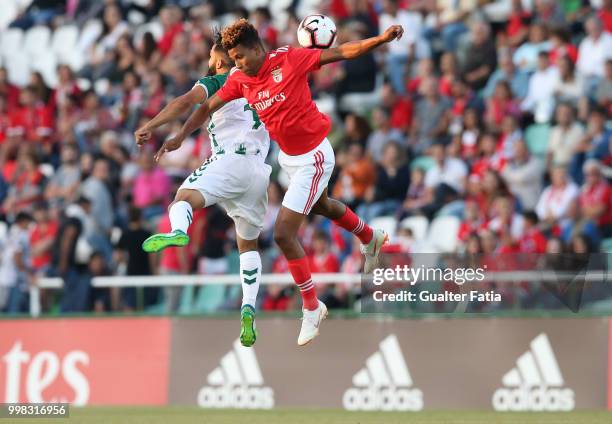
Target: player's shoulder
214, 79
234, 72
280, 53
211, 83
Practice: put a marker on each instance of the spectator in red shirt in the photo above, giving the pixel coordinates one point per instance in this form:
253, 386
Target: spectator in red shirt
43, 91
27, 184
500, 105
323, 260
489, 158
262, 20
517, 27
425, 69
42, 238
450, 73
532, 240
467, 140
66, 86
596, 196
171, 19
155, 95
5, 120
33, 118
562, 46
472, 221
605, 14
8, 90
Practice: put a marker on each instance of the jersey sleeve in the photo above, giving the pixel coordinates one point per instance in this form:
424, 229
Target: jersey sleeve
211, 84
232, 89
308, 60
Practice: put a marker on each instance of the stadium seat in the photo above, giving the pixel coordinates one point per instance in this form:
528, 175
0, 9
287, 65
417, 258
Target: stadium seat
536, 137
418, 225
423, 162
606, 245
23, 3
362, 103
307, 7
18, 67
443, 233
102, 86
210, 298
115, 235
278, 8
64, 41
84, 84
90, 33
386, 223
10, 9
36, 41
253, 4
46, 169
3, 231
46, 64
134, 17
10, 42
154, 28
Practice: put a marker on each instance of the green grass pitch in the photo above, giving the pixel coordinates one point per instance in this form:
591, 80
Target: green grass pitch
192, 415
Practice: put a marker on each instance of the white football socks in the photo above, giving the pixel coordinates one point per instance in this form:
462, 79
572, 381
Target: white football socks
181, 215
250, 275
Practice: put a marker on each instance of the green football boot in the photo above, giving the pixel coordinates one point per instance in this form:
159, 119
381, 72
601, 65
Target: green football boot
248, 333
160, 241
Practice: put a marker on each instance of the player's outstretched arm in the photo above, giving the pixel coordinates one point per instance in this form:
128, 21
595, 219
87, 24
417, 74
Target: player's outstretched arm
195, 121
172, 111
354, 49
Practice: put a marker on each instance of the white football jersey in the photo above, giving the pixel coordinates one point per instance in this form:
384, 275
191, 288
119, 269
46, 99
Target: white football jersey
236, 126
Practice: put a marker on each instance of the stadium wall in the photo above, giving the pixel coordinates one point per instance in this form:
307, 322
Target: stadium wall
359, 364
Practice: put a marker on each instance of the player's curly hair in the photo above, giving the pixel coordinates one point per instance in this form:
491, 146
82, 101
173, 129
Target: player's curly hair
240, 32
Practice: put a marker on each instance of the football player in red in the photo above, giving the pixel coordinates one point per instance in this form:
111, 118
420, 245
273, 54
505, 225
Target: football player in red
275, 84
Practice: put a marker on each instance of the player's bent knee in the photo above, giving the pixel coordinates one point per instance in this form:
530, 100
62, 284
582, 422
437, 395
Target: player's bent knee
193, 197
246, 245
246, 231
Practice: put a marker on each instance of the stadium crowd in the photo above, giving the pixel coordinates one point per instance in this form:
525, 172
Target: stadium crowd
495, 112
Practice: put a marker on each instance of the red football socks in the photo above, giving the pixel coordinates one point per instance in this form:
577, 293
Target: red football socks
300, 270
351, 222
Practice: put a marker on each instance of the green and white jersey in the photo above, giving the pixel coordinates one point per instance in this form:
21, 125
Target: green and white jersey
236, 126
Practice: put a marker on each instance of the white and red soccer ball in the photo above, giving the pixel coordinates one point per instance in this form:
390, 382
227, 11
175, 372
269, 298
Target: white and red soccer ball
316, 32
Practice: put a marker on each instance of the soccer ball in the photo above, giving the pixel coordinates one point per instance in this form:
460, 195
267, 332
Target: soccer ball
316, 32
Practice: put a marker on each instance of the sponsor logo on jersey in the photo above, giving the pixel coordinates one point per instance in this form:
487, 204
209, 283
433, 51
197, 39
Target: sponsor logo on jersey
384, 383
267, 102
536, 383
237, 382
277, 75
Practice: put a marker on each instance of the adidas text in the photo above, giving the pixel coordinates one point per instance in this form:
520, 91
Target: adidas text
384, 383
236, 383
536, 383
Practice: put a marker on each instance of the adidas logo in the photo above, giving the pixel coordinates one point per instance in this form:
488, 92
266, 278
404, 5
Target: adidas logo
237, 382
384, 383
536, 383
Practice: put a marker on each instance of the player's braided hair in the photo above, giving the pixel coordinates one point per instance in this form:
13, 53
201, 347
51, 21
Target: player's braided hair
240, 32
218, 41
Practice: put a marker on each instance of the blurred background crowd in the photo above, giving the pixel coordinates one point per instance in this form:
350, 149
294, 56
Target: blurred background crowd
485, 129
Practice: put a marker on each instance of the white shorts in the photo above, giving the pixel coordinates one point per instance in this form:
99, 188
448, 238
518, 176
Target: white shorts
239, 184
308, 176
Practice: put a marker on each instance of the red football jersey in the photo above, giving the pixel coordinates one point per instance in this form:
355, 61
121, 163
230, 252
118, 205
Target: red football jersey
281, 96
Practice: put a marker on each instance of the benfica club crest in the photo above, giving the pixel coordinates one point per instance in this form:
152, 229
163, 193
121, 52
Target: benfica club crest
277, 75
